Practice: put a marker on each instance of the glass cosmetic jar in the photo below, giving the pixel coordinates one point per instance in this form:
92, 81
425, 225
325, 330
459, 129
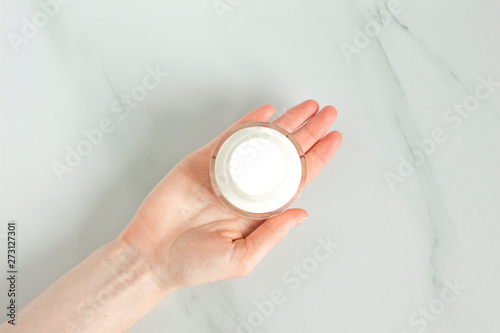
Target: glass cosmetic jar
258, 170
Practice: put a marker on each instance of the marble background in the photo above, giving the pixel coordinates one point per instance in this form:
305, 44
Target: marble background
411, 200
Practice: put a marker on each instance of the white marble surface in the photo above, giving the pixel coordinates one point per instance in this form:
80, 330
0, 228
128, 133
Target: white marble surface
398, 247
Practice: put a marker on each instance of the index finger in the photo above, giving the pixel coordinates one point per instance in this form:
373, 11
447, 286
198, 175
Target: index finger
321, 153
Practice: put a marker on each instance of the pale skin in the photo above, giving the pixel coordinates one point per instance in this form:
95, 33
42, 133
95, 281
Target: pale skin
181, 236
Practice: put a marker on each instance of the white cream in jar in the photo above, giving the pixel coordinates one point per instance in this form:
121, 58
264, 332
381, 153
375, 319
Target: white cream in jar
258, 170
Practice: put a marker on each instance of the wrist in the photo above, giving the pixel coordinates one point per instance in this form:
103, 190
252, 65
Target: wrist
131, 266
92, 296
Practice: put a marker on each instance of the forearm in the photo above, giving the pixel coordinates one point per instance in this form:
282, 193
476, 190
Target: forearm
109, 291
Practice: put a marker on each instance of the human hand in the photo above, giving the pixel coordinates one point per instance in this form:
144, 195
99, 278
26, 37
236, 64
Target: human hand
188, 237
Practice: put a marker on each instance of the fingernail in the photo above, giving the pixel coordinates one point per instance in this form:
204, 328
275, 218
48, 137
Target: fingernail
301, 220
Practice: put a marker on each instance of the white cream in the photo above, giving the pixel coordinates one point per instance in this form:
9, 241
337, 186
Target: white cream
258, 169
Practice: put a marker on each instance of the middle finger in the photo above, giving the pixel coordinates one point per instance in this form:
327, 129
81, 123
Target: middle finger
315, 128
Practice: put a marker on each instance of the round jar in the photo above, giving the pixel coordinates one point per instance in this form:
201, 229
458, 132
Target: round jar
258, 170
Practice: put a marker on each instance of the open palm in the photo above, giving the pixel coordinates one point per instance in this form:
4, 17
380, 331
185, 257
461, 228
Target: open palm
188, 237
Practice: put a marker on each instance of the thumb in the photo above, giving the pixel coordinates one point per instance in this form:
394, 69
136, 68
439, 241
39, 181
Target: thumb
268, 235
